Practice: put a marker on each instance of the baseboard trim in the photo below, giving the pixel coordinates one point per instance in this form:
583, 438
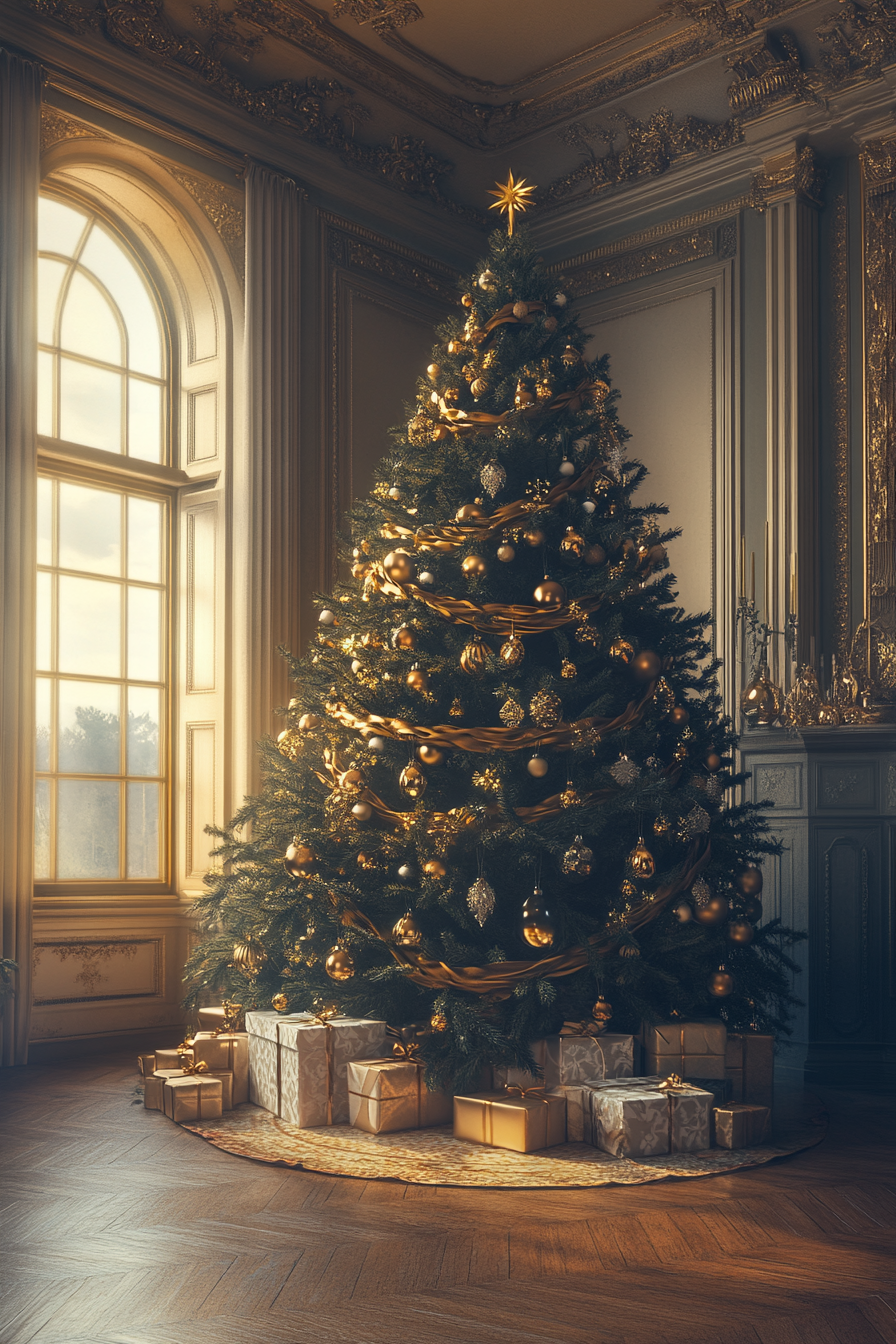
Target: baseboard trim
144, 1039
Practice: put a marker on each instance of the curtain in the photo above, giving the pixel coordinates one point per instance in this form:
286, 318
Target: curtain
273, 324
20, 85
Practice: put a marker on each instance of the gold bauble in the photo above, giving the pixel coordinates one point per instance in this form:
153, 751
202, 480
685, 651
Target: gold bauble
290, 743
248, 957
595, 555
339, 965
678, 716
641, 861
435, 869
418, 680
740, 931
537, 767
524, 396
570, 357
683, 912
470, 513
538, 929
721, 983
351, 782
621, 651
512, 652
506, 553
299, 860
714, 912
573, 544
405, 637
713, 761
430, 755
478, 386
568, 669
602, 1011
474, 566
433, 370
545, 709
399, 566
455, 346
578, 861
308, 722
474, 657
749, 882
467, 300
549, 594
511, 713
646, 665
280, 1003
407, 932
412, 781
762, 701
534, 536
438, 1022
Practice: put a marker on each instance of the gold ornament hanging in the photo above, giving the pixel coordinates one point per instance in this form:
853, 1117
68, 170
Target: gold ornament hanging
457, 710
481, 900
474, 566
339, 964
621, 651
641, 861
474, 657
602, 1012
662, 826
578, 861
572, 546
749, 882
524, 396
430, 755
399, 566
248, 957
290, 743
628, 888
280, 1003
351, 782
418, 680
546, 709
570, 797
438, 1022
538, 928
740, 932
762, 700
412, 781
646, 665
407, 932
512, 652
506, 553
471, 513
511, 713
299, 860
568, 670
549, 594
492, 475
435, 869
405, 637
721, 983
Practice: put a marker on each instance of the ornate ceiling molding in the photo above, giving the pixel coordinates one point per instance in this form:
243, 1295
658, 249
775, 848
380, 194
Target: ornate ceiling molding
355, 248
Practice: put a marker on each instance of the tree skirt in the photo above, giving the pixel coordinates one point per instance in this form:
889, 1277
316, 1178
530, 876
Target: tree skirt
435, 1157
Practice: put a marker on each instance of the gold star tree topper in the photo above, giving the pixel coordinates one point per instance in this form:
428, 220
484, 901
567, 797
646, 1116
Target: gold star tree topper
512, 196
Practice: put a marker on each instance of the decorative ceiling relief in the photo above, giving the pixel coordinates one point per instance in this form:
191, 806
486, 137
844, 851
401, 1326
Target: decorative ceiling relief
382, 15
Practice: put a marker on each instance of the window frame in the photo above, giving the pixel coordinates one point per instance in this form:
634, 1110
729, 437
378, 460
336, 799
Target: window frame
82, 464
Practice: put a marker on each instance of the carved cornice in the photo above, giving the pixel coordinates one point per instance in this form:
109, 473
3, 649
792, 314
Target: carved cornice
56, 127
617, 265
225, 208
796, 173
353, 247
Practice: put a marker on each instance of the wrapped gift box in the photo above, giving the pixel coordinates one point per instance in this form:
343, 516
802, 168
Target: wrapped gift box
507, 1120
224, 1019
740, 1125
390, 1094
225, 1053
568, 1059
721, 1088
154, 1086
690, 1049
750, 1065
171, 1059
635, 1117
579, 1120
192, 1096
298, 1065
147, 1065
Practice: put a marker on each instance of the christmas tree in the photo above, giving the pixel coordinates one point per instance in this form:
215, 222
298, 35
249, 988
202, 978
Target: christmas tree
505, 797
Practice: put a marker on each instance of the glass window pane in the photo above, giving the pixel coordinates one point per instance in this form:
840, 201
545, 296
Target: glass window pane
43, 723
145, 539
144, 634
144, 420
42, 829
143, 731
59, 227
89, 728
89, 627
90, 406
89, 529
89, 326
44, 621
107, 259
87, 828
44, 521
50, 275
46, 364
143, 830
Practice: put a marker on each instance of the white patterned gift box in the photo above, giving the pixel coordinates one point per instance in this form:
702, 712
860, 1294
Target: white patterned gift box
637, 1117
570, 1058
298, 1064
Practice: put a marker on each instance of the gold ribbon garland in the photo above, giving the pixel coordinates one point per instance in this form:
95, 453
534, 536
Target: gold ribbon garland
477, 422
493, 618
504, 316
485, 740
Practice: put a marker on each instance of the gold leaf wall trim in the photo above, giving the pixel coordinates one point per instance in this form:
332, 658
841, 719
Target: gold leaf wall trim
322, 112
639, 262
56, 127
355, 248
839, 381
223, 206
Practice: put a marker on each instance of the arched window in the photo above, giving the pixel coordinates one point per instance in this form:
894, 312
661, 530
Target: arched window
103, 617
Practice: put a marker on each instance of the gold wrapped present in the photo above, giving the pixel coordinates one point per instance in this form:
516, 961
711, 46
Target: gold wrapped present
390, 1094
740, 1125
147, 1065
172, 1059
228, 1018
154, 1088
195, 1096
644, 1117
225, 1053
690, 1049
523, 1119
574, 1056
750, 1065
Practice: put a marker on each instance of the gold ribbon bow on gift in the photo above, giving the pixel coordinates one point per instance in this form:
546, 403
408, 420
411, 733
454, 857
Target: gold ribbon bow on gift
190, 1066
402, 1049
324, 1015
674, 1084
185, 1046
537, 1093
587, 1027
231, 1018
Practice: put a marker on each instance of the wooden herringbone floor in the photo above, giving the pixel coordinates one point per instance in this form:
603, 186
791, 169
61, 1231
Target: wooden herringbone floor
120, 1228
